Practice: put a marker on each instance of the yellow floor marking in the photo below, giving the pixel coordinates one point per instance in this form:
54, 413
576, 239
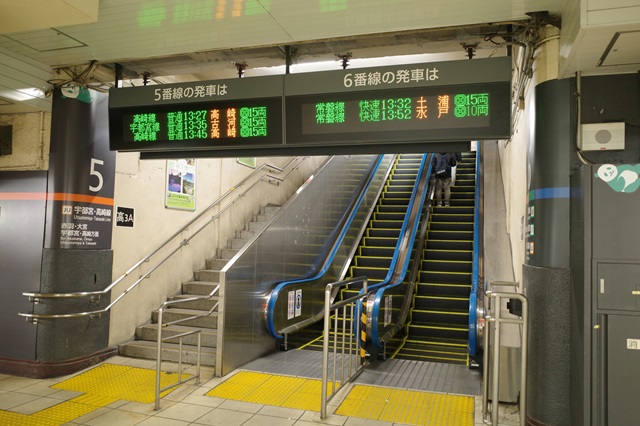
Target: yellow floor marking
269, 389
408, 406
101, 386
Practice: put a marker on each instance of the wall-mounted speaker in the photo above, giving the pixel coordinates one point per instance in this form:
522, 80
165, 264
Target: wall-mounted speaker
601, 137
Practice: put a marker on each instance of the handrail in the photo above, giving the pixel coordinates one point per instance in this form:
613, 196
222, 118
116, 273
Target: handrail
351, 349
475, 269
413, 276
34, 297
160, 339
395, 277
336, 245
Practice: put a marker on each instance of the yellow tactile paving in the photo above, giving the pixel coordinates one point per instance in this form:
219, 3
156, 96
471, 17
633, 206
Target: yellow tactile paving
101, 386
407, 406
269, 389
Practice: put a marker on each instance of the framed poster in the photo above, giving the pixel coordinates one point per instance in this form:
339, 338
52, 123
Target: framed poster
181, 184
247, 161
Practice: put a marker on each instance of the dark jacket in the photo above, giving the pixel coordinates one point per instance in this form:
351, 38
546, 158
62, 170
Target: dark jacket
451, 162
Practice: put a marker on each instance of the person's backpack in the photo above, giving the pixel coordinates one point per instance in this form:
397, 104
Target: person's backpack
442, 165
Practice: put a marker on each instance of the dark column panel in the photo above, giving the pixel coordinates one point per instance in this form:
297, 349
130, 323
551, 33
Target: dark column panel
548, 365
546, 272
22, 207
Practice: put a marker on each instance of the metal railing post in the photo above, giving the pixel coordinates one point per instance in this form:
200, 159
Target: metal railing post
491, 360
349, 346
158, 358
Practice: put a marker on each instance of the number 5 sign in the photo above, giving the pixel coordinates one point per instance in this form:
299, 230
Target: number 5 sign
81, 214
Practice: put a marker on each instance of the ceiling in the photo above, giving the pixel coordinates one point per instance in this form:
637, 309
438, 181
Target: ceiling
46, 42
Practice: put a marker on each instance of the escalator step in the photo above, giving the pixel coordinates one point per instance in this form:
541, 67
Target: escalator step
440, 266
450, 226
455, 255
458, 202
457, 304
372, 262
391, 208
395, 216
447, 215
402, 195
445, 277
434, 244
383, 232
395, 202
432, 317
454, 210
375, 273
378, 251
443, 290
438, 331
464, 195
385, 224
400, 188
379, 242
440, 235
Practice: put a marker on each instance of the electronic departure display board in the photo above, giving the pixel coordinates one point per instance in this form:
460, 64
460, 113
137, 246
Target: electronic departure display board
196, 116
410, 114
199, 126
403, 104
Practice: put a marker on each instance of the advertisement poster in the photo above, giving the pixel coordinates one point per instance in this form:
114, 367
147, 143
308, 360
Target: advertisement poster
248, 161
181, 184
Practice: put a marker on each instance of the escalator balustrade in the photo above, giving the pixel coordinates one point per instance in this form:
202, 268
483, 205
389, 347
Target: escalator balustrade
376, 249
438, 328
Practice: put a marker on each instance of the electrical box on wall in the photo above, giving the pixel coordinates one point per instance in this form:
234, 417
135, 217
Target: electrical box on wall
602, 137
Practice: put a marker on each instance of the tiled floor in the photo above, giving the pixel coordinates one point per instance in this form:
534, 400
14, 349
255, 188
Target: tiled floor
186, 405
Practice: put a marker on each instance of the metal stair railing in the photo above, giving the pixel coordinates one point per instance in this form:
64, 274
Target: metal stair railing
96, 295
349, 349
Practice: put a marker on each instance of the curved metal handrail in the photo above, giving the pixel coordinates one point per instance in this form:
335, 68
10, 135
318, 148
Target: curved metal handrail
34, 297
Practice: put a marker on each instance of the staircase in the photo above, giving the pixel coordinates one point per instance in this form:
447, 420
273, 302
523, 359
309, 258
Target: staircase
377, 247
438, 324
205, 280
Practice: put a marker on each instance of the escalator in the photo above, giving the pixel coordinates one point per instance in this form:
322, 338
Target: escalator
375, 253
438, 325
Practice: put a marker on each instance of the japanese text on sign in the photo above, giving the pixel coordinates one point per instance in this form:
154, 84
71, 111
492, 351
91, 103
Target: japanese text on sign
403, 76
190, 92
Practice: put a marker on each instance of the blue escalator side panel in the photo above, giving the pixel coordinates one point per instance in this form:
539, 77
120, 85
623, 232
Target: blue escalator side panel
473, 297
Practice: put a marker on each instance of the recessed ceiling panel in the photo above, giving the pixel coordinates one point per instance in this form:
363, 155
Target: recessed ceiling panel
622, 50
46, 40
28, 15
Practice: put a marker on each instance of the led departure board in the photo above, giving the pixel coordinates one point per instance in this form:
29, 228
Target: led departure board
376, 109
199, 126
420, 113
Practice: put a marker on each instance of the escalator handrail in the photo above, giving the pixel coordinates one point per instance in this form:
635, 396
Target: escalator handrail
473, 296
401, 237
413, 277
273, 297
374, 311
